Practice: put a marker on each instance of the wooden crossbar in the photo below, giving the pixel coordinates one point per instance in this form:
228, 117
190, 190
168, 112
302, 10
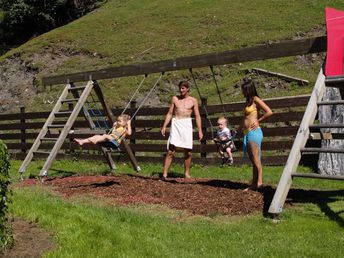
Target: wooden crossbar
261, 52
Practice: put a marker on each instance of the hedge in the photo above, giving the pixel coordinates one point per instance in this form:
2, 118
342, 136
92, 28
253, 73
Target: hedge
4, 194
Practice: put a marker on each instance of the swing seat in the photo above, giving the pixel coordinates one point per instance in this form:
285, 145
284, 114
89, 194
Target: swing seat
111, 146
227, 143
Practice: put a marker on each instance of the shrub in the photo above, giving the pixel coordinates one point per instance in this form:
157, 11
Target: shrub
4, 193
25, 18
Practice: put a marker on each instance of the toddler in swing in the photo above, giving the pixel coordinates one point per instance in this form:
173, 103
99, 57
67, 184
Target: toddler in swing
224, 141
120, 129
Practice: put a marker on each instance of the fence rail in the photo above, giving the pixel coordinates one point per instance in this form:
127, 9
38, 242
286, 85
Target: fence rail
19, 130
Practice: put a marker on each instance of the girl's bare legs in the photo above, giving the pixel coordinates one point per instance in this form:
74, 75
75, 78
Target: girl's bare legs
257, 169
94, 139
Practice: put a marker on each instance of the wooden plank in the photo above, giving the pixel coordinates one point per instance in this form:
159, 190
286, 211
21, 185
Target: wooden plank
331, 102
64, 132
233, 121
28, 115
325, 136
146, 135
321, 150
18, 136
260, 52
198, 148
335, 81
318, 176
281, 76
318, 126
268, 132
275, 103
283, 102
300, 141
44, 130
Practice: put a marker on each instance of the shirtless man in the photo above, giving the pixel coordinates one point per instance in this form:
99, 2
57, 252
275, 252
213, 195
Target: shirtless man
181, 127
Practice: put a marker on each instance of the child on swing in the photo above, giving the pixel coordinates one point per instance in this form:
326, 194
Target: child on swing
224, 141
120, 129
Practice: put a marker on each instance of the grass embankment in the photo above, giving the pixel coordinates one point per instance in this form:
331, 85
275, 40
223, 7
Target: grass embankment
127, 32
87, 227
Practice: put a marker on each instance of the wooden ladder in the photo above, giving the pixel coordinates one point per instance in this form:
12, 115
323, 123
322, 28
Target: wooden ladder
298, 149
80, 95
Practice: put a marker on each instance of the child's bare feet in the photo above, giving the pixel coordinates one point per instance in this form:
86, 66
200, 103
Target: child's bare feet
187, 176
79, 141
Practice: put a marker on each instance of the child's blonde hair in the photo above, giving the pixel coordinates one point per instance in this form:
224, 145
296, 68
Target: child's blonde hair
222, 118
125, 117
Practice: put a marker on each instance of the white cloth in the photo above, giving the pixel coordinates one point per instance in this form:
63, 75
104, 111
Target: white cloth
181, 133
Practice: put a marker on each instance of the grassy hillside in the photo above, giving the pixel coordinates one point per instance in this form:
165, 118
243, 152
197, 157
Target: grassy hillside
125, 32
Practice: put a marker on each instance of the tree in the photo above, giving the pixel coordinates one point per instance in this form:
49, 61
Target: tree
26, 18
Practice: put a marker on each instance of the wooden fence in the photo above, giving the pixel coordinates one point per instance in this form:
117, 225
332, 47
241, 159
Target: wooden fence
19, 130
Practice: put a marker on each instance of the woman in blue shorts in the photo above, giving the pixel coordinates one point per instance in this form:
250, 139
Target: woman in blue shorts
253, 134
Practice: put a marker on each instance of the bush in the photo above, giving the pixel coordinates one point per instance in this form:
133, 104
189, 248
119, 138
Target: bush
25, 18
4, 193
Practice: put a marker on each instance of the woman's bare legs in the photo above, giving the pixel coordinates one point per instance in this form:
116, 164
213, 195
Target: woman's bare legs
257, 169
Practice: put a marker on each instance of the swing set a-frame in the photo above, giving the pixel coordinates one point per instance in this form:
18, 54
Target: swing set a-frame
80, 95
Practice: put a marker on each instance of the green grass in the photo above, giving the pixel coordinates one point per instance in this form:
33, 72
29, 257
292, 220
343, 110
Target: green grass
127, 32
88, 227
120, 30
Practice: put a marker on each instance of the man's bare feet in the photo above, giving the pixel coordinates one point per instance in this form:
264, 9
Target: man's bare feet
187, 176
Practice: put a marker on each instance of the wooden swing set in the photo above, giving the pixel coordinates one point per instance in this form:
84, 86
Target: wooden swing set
268, 51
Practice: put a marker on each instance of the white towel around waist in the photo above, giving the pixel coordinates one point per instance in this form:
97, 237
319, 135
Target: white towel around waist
181, 133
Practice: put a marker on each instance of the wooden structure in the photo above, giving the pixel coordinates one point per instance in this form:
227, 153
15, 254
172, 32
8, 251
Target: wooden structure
260, 52
302, 143
299, 148
55, 130
19, 130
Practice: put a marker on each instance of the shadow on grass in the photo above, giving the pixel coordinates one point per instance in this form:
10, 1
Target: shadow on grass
61, 173
320, 198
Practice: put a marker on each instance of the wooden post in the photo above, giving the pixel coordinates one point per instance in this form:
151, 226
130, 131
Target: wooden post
204, 128
133, 106
299, 142
22, 121
71, 151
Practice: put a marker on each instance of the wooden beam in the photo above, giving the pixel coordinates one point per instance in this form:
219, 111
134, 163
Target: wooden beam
261, 52
284, 77
299, 142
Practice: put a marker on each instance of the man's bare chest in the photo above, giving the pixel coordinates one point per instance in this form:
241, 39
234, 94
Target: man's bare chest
184, 104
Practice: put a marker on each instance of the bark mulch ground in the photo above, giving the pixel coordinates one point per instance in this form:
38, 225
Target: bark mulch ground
197, 196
